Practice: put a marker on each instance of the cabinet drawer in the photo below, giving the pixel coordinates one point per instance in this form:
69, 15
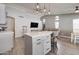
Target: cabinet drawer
47, 41
36, 44
38, 48
46, 46
47, 49
49, 37
36, 40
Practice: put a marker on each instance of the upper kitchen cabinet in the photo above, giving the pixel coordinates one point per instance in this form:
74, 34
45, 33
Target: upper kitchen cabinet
2, 14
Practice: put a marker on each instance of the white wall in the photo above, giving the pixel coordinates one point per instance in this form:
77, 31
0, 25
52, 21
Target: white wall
66, 21
49, 21
19, 22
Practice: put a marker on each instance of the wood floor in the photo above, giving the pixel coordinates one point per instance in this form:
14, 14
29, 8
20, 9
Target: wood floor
64, 48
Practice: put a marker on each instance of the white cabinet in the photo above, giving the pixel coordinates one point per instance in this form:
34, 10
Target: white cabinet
2, 14
39, 45
38, 49
6, 41
47, 44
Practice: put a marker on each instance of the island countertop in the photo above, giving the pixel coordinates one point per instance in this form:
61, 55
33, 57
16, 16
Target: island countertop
38, 33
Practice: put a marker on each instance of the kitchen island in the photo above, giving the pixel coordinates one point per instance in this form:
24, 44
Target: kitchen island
37, 42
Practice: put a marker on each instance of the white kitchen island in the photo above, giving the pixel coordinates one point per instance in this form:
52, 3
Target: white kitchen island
37, 43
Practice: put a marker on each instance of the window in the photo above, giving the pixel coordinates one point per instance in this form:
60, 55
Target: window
76, 25
57, 22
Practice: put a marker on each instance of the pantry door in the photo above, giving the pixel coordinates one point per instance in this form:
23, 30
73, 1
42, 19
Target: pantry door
10, 24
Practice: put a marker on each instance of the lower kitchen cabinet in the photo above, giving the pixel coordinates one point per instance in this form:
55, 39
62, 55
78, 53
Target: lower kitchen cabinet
37, 45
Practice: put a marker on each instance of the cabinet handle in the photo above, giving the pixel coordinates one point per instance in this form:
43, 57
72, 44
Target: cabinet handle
38, 39
38, 43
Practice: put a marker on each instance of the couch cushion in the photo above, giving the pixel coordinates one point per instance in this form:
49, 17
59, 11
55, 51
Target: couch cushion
65, 33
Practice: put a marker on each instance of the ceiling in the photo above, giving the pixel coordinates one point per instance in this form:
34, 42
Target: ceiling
55, 8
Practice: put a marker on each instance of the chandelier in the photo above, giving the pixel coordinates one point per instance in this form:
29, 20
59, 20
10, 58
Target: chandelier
43, 10
37, 8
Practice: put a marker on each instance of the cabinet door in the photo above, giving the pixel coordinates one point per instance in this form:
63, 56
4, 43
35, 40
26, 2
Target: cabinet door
38, 47
2, 14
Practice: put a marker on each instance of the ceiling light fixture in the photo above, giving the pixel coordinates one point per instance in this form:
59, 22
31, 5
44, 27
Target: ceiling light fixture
37, 6
44, 8
49, 10
39, 10
77, 9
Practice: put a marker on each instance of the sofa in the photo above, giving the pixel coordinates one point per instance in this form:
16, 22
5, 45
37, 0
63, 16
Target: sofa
65, 35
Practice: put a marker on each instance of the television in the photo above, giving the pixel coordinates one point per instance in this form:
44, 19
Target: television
34, 25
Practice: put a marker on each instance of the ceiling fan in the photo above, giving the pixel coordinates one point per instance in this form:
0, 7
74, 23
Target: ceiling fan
77, 9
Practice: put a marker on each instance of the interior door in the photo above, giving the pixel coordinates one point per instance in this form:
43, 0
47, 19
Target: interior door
10, 24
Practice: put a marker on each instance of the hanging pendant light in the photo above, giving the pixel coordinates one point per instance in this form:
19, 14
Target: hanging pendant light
49, 10
44, 9
37, 6
77, 9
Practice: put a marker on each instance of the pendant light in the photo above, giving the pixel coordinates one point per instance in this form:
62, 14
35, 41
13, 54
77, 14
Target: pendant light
37, 6
49, 10
77, 9
44, 9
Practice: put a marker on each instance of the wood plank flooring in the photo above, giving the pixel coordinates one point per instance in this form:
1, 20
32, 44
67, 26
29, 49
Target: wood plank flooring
64, 48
